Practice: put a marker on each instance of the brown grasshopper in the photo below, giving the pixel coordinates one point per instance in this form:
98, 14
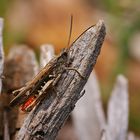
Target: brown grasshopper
34, 91
45, 79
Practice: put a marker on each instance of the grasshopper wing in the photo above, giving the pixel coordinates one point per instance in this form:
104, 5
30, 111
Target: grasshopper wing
20, 98
25, 92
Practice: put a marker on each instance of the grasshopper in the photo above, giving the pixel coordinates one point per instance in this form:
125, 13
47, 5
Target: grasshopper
45, 79
35, 90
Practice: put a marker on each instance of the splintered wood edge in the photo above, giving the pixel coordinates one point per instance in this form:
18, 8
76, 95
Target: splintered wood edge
46, 54
118, 110
47, 118
91, 104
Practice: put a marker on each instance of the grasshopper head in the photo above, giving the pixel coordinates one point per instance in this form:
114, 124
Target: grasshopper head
63, 57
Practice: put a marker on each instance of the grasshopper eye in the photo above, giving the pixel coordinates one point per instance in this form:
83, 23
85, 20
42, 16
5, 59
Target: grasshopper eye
65, 55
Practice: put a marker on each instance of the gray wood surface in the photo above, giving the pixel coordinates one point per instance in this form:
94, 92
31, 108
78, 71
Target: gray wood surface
88, 115
118, 110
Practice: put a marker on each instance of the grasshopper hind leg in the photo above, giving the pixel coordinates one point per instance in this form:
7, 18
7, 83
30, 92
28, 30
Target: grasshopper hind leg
41, 96
34, 103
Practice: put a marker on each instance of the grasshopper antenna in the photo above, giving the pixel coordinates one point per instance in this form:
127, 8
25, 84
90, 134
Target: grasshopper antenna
70, 32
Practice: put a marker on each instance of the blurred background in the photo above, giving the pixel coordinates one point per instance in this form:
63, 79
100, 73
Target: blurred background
35, 22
